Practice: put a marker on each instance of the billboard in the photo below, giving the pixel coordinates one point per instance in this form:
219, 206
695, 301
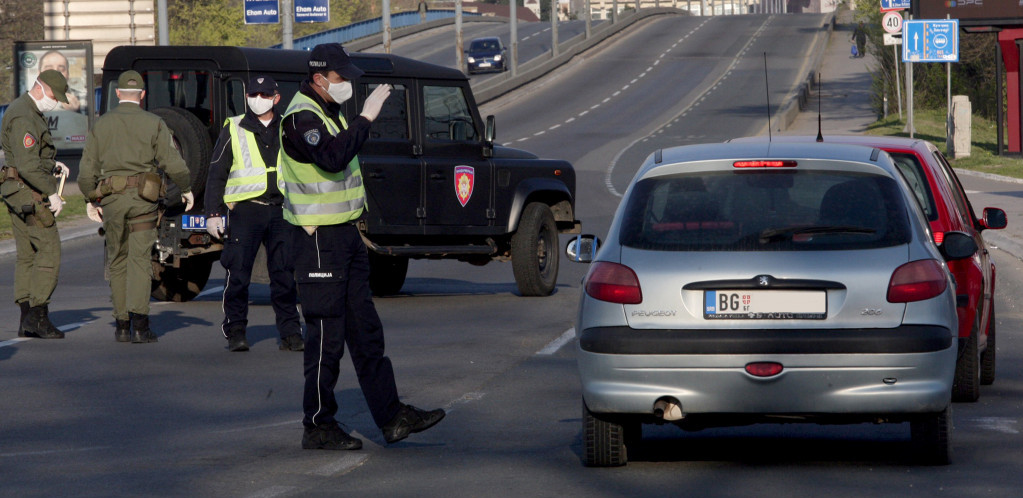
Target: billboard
972, 12
70, 124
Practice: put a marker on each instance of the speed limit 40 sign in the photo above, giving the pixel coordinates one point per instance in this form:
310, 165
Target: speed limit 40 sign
892, 22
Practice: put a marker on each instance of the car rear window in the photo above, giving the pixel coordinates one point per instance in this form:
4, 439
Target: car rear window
765, 211
911, 169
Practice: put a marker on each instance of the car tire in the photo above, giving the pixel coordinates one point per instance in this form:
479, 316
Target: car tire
966, 385
194, 143
185, 282
534, 251
603, 441
386, 273
987, 358
931, 435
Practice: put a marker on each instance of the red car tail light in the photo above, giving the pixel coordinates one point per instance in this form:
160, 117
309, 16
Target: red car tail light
613, 283
764, 164
916, 281
764, 368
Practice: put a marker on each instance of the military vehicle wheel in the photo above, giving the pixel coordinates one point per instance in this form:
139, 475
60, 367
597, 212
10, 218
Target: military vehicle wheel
183, 283
193, 141
534, 251
386, 273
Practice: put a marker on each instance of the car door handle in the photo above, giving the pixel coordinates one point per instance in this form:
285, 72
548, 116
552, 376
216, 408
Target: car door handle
376, 175
437, 176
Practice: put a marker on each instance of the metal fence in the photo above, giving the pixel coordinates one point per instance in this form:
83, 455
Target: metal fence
369, 27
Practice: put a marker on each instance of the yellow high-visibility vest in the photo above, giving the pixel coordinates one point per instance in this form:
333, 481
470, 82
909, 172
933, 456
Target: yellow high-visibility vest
247, 178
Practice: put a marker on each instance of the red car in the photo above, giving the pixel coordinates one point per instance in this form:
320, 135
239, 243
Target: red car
944, 202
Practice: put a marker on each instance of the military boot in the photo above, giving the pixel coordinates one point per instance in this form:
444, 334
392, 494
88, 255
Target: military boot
24, 314
123, 331
236, 339
140, 333
41, 326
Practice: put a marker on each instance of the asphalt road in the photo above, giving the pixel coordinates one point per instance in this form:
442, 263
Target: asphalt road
86, 416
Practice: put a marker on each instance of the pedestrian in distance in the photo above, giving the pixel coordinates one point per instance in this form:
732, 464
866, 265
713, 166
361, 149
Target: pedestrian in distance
860, 37
29, 188
243, 187
119, 177
323, 198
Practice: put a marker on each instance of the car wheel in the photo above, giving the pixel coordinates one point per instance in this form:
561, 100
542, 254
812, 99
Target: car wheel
932, 437
966, 385
603, 441
987, 358
534, 251
194, 143
386, 273
185, 282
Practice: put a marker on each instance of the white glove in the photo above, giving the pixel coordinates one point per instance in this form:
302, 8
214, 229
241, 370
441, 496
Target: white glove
189, 200
61, 169
94, 212
56, 204
371, 107
215, 226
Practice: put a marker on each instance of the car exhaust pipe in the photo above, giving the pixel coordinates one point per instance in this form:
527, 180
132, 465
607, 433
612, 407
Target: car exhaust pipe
668, 409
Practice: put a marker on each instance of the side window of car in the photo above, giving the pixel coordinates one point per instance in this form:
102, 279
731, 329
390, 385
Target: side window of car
447, 113
913, 172
958, 195
393, 121
235, 97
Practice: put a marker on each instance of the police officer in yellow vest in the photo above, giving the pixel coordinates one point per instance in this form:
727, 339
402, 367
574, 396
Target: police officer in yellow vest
323, 197
242, 187
30, 193
118, 176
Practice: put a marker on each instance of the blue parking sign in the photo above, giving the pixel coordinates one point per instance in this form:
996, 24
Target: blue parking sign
888, 5
935, 40
262, 12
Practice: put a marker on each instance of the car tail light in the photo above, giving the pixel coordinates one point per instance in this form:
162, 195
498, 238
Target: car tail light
764, 368
764, 164
613, 283
916, 281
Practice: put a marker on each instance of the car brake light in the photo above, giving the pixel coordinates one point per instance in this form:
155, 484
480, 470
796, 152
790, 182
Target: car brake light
613, 283
916, 281
764, 164
939, 237
764, 368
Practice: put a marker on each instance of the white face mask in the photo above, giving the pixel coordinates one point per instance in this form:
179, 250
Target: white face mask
46, 104
259, 105
339, 92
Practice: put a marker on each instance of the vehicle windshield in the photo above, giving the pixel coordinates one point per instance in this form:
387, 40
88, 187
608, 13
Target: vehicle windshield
484, 45
765, 211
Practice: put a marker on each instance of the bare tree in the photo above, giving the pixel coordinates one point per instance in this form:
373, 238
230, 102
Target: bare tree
21, 21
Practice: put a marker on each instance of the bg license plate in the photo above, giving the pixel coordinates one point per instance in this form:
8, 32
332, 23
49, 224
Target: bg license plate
193, 222
484, 64
765, 305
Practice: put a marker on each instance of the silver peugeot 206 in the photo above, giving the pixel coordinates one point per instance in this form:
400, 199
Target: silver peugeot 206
758, 282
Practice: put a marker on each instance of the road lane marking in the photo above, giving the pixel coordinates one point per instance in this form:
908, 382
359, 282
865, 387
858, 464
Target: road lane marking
52, 452
556, 344
1004, 425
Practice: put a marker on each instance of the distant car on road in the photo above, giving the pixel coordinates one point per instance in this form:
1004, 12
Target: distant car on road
759, 283
486, 54
947, 208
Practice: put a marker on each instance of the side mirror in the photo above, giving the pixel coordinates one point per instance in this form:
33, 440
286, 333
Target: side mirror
994, 219
957, 245
488, 136
582, 248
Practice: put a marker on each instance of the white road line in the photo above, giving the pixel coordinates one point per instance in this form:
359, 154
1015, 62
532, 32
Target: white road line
214, 290
556, 344
53, 452
11, 342
273, 491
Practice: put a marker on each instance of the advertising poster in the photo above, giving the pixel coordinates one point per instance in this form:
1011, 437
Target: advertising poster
69, 125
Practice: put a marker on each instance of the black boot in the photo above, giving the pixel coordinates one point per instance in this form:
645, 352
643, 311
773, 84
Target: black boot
39, 318
236, 339
140, 333
24, 314
123, 331
410, 420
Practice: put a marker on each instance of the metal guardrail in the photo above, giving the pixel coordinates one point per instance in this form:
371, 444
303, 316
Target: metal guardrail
371, 27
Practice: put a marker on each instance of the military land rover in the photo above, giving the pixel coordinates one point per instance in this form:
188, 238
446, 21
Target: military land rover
437, 185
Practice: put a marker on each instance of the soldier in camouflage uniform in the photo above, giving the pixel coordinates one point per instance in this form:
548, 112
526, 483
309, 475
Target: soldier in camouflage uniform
30, 193
118, 177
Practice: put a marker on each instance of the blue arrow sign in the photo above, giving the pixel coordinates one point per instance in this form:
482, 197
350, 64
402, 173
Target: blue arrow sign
887, 5
930, 40
262, 12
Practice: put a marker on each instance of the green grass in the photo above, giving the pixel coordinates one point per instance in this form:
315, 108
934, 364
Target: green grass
930, 126
73, 210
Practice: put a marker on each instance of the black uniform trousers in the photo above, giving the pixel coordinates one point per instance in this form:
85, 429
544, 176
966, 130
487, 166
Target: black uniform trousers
250, 225
332, 273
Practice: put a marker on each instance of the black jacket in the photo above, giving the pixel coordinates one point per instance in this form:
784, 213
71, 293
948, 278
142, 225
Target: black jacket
306, 138
268, 139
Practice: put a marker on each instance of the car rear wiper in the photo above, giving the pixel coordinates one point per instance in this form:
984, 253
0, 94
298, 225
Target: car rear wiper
775, 234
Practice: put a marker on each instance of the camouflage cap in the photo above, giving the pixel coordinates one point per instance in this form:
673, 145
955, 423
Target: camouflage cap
57, 82
130, 80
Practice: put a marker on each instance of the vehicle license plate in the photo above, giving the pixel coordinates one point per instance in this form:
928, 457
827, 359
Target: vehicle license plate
765, 305
484, 64
193, 222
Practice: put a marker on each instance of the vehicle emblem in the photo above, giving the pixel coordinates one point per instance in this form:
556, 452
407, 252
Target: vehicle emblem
29, 140
464, 180
763, 281
871, 311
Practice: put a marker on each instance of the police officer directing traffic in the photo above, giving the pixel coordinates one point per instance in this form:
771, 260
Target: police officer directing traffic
243, 186
30, 193
323, 198
118, 176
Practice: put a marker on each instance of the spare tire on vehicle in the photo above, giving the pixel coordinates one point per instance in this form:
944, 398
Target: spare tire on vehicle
196, 147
